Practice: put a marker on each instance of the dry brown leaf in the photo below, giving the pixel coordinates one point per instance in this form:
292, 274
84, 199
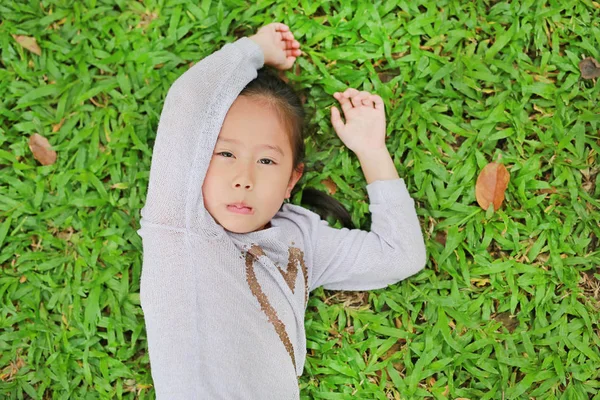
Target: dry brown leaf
29, 43
590, 68
441, 237
41, 149
330, 185
480, 282
509, 321
491, 185
56, 128
147, 18
398, 323
446, 391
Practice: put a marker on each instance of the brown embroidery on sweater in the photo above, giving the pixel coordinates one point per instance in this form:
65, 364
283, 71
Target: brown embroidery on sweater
290, 275
256, 251
305, 274
266, 306
295, 257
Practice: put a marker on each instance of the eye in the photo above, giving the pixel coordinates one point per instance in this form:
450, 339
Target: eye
270, 162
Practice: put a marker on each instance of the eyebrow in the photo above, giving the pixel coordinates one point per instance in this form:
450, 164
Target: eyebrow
267, 146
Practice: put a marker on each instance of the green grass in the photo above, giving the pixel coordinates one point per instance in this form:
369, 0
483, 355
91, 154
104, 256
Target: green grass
508, 305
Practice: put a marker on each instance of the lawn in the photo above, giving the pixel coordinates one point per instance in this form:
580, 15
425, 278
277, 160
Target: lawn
509, 303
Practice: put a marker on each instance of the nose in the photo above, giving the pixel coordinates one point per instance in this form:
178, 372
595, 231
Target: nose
243, 179
245, 185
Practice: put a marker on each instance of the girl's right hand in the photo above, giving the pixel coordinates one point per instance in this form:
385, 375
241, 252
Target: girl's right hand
279, 46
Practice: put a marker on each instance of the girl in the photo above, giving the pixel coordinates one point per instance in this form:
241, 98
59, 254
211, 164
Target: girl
227, 268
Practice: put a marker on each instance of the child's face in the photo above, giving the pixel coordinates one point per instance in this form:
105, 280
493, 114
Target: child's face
243, 173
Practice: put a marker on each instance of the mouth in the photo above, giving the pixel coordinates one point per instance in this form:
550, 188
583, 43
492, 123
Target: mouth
240, 209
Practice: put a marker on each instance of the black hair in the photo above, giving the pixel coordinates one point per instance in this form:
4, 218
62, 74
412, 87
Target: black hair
271, 88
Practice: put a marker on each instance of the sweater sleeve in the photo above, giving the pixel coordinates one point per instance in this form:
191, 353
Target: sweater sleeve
191, 120
353, 259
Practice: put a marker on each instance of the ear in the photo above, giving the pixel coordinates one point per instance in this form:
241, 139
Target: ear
296, 175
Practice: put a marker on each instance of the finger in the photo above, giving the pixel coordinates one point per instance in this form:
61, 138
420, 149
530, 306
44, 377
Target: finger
350, 92
364, 94
378, 102
288, 44
281, 27
357, 100
363, 98
293, 53
336, 119
287, 35
345, 103
289, 61
368, 101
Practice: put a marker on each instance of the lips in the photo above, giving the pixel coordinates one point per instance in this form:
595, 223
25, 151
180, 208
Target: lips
240, 208
240, 205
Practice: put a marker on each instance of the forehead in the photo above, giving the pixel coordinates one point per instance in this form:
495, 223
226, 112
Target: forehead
252, 120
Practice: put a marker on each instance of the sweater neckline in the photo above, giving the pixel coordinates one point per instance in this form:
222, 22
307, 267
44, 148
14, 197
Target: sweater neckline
271, 232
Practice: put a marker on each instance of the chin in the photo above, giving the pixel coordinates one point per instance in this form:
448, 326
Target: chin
232, 230
237, 230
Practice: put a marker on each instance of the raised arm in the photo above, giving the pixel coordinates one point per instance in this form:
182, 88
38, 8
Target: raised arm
190, 122
192, 116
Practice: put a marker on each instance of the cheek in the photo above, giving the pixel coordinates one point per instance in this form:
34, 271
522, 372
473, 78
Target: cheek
210, 182
214, 172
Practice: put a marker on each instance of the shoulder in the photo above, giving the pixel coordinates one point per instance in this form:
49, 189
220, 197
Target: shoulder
299, 215
299, 223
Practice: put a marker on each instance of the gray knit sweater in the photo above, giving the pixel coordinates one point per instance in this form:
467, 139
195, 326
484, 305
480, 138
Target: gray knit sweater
224, 312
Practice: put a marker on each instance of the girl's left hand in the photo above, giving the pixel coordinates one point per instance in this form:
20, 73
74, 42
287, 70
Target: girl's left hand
364, 131
279, 46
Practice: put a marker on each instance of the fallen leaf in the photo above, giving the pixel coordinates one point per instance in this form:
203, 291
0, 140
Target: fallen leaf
147, 18
42, 150
29, 43
590, 68
480, 282
120, 185
330, 185
56, 128
441, 236
509, 321
491, 185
